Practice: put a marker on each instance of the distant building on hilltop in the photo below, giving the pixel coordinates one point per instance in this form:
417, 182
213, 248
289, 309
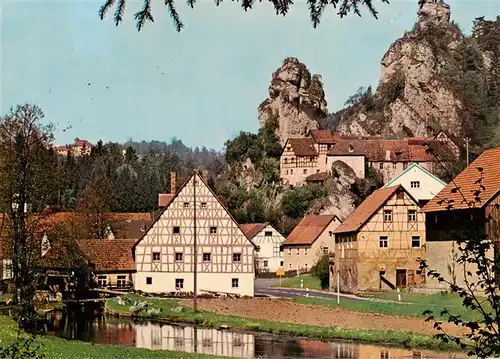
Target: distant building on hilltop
78, 149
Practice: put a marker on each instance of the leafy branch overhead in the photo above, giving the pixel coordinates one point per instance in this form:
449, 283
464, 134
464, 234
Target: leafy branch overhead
281, 7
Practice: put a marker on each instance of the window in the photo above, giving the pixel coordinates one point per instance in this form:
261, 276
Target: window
415, 184
268, 233
383, 241
289, 251
317, 171
281, 248
156, 256
236, 257
179, 283
394, 166
177, 230
287, 172
207, 257
281, 263
290, 266
325, 250
387, 215
121, 281
400, 195
381, 165
186, 204
305, 251
203, 204
257, 249
266, 263
235, 283
101, 280
304, 171
298, 251
311, 159
384, 354
149, 280
291, 172
305, 267
213, 230
412, 215
415, 241
405, 165
178, 256
285, 161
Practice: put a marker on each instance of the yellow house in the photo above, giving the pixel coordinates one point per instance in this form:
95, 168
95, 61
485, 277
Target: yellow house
166, 255
377, 246
312, 237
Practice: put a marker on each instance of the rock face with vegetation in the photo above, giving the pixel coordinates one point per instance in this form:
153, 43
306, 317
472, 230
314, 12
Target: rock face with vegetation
296, 100
432, 78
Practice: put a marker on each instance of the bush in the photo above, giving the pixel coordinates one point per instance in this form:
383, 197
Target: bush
321, 270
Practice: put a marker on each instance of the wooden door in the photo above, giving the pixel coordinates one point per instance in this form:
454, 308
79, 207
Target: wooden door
400, 278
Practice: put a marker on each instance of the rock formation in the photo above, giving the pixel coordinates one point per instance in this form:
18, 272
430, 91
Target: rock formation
296, 100
413, 98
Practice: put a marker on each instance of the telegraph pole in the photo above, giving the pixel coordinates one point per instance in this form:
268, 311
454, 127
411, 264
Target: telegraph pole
467, 140
195, 245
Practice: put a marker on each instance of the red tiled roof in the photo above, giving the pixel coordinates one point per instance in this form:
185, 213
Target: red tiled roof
82, 143
468, 183
251, 229
380, 150
367, 209
324, 136
321, 176
164, 199
308, 229
109, 254
303, 146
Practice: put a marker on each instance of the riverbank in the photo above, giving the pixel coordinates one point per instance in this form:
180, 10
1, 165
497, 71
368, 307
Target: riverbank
54, 347
286, 318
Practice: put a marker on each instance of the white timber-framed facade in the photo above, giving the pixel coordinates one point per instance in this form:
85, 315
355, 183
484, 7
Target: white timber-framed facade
269, 254
165, 255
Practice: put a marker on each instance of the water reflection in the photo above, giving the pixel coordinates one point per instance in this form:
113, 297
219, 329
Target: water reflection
159, 336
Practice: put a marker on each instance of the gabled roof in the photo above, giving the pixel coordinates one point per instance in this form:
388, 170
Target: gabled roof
309, 229
413, 166
303, 146
368, 208
109, 255
200, 178
324, 136
321, 176
474, 187
252, 229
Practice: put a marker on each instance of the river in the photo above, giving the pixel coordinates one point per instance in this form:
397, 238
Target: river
97, 328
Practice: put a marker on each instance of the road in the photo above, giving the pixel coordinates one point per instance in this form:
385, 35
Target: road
263, 288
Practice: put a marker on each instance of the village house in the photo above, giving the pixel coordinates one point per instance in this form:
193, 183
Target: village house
377, 247
467, 208
165, 256
420, 183
312, 237
269, 252
111, 261
311, 158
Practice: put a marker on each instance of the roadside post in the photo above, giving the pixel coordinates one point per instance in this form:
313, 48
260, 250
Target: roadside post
338, 287
399, 294
280, 272
302, 284
307, 292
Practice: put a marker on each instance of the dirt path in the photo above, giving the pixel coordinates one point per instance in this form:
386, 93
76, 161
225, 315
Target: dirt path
279, 310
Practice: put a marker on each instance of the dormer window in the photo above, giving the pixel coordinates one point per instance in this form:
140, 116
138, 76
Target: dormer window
351, 149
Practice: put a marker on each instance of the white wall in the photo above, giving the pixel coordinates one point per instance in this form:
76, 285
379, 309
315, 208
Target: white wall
269, 249
218, 282
429, 185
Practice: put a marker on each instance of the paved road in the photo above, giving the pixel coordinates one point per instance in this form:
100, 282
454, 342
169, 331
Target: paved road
263, 288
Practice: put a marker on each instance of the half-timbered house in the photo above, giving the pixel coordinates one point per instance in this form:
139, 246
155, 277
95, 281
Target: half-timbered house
467, 208
269, 253
193, 216
378, 245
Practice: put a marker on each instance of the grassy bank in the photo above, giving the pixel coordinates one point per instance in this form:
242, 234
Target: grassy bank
309, 282
172, 310
413, 305
54, 347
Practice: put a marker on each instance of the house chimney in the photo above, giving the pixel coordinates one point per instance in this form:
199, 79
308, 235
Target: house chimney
173, 183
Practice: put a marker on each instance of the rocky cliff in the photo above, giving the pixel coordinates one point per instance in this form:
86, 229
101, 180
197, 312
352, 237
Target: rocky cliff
414, 96
296, 100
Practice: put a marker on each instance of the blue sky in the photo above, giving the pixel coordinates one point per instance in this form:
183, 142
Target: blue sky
203, 85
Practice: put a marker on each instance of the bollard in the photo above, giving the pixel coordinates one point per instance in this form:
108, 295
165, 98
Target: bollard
399, 295
307, 292
301, 284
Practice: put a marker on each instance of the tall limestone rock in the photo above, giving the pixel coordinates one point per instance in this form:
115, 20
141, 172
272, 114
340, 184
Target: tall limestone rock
413, 97
296, 100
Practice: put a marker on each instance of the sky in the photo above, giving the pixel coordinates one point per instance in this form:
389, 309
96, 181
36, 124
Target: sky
202, 85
